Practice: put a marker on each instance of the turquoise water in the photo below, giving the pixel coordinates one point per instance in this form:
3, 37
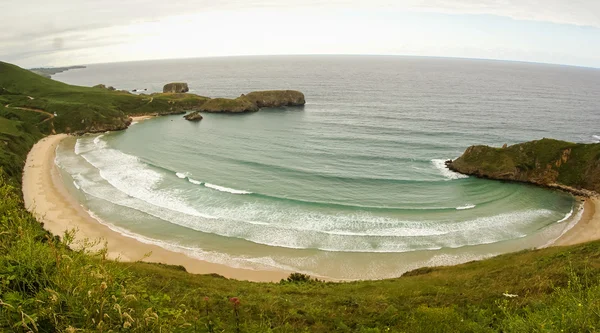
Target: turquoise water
351, 186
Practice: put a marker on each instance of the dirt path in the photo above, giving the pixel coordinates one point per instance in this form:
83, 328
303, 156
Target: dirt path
50, 115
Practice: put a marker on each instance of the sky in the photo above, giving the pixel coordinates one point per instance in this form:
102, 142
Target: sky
70, 32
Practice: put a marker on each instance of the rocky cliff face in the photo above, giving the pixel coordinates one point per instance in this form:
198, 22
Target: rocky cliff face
276, 98
226, 105
176, 87
546, 162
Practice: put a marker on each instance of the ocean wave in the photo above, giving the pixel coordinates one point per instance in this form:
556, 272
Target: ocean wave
182, 175
597, 138
567, 216
252, 263
440, 164
225, 189
133, 177
127, 181
467, 206
331, 233
195, 182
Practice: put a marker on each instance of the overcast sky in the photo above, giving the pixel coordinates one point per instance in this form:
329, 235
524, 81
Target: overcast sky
61, 32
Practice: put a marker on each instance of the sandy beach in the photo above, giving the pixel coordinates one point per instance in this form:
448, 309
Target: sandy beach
47, 198
587, 228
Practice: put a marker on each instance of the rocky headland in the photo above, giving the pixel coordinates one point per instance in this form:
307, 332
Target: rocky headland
572, 167
276, 98
227, 105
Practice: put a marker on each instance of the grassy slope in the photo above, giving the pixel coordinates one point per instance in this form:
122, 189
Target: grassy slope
543, 161
45, 287
82, 109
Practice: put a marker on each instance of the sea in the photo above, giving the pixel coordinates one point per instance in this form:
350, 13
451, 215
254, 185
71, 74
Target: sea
352, 185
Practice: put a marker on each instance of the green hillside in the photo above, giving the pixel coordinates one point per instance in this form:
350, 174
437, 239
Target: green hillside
82, 109
46, 287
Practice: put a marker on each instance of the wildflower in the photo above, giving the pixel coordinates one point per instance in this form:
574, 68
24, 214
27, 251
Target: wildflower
206, 298
235, 301
103, 286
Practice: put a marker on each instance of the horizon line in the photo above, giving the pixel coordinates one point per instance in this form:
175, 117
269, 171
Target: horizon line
328, 54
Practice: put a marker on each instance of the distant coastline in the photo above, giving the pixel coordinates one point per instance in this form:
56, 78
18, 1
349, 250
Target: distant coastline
49, 71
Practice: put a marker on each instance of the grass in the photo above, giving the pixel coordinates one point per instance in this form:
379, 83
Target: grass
47, 287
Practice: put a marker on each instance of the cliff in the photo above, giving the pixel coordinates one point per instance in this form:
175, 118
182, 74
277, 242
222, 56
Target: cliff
574, 167
176, 87
276, 98
226, 105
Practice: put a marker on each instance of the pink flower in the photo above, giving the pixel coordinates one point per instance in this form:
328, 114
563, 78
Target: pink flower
235, 300
206, 298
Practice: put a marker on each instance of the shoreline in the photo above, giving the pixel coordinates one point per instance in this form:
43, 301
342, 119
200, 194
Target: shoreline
138, 119
586, 229
47, 198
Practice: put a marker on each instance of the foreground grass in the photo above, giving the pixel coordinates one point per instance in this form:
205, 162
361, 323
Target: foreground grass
45, 287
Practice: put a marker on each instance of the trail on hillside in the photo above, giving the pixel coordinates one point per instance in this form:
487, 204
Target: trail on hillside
50, 115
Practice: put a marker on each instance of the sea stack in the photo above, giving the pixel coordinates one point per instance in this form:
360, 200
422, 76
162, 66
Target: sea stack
176, 87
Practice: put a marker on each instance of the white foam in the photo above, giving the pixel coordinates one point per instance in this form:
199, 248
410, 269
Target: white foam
97, 139
225, 189
572, 222
597, 138
467, 206
76, 185
253, 263
181, 175
440, 164
126, 181
133, 177
566, 216
133, 123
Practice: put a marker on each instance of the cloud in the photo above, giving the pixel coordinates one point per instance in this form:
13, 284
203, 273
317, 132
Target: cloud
34, 33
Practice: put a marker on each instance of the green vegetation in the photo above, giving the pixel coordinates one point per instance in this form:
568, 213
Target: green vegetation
238, 105
81, 109
46, 287
543, 162
182, 101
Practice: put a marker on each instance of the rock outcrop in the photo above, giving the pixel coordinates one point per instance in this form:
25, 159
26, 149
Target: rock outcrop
276, 98
176, 87
226, 105
573, 167
102, 86
193, 116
